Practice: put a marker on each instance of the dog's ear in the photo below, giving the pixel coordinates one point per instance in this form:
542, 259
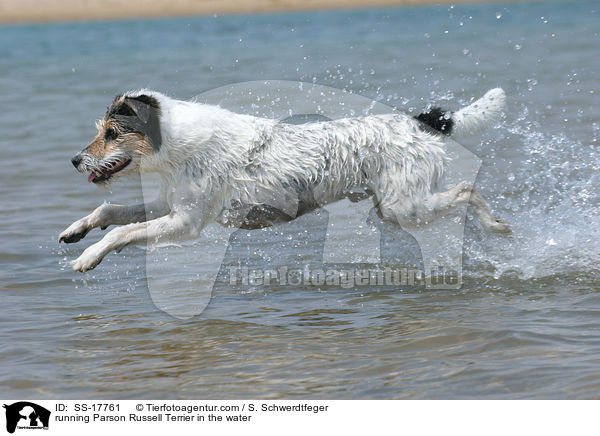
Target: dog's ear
120, 108
141, 106
138, 114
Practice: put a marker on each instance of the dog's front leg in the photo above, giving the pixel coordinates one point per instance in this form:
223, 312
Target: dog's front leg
176, 226
109, 214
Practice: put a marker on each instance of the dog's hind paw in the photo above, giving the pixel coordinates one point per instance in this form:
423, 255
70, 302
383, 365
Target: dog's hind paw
498, 226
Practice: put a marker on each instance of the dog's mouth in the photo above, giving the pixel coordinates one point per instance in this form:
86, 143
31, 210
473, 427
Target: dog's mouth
106, 171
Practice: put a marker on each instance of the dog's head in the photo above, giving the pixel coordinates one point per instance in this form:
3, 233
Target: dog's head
129, 131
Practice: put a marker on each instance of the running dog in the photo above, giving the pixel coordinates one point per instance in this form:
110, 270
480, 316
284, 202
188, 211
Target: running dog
250, 172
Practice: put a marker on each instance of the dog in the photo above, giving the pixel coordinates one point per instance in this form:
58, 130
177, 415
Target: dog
251, 172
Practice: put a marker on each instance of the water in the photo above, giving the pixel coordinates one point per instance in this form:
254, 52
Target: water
524, 325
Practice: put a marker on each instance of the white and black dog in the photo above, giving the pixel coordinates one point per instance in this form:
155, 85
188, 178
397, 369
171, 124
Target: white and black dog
250, 172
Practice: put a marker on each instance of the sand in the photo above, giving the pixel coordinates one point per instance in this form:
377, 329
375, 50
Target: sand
19, 11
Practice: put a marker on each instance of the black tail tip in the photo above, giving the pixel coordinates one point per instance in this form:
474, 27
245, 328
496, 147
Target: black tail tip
437, 119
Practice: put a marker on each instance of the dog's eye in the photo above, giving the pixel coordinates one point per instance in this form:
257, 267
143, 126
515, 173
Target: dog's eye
110, 134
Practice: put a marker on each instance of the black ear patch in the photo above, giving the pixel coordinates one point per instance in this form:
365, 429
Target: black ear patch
122, 109
146, 99
437, 119
139, 114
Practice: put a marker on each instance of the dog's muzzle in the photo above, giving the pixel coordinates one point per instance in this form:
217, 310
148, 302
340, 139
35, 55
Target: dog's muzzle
76, 160
101, 171
108, 169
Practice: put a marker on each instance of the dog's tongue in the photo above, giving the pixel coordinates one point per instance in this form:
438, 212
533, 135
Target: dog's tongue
91, 177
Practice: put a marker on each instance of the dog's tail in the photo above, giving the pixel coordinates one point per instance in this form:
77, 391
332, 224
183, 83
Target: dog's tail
468, 120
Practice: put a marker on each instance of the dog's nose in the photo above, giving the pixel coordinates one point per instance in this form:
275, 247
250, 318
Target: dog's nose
76, 160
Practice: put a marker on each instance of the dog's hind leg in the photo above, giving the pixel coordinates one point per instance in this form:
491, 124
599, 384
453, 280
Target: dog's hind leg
109, 214
410, 211
446, 201
488, 221
423, 207
463, 193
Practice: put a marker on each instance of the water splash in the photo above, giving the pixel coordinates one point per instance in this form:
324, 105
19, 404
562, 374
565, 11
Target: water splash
553, 202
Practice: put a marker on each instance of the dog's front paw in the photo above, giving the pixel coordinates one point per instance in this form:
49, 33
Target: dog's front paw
88, 260
76, 231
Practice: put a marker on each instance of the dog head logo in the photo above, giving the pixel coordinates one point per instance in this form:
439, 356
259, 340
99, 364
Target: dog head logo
24, 414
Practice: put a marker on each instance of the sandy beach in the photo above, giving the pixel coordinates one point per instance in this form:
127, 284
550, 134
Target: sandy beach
21, 11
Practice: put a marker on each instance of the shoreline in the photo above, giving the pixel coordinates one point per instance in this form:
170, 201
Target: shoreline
42, 11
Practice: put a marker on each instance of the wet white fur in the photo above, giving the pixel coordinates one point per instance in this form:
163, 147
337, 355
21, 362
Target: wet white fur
212, 160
